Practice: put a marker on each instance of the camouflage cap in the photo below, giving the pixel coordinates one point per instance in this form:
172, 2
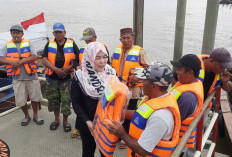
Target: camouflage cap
157, 72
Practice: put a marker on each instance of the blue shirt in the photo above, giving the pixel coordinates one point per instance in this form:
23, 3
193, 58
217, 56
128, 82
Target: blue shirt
187, 103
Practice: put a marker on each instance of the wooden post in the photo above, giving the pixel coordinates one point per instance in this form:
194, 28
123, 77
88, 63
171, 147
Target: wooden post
179, 32
210, 26
138, 22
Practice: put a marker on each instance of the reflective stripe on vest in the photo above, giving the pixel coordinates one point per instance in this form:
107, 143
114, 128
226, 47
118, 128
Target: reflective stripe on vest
110, 107
197, 88
131, 62
14, 55
69, 55
139, 120
145, 98
201, 75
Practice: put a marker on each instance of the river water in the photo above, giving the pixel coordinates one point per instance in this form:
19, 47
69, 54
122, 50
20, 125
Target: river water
107, 17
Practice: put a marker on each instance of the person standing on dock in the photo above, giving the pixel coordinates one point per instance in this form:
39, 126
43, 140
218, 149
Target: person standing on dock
125, 59
155, 125
87, 88
89, 35
189, 95
20, 57
58, 57
213, 71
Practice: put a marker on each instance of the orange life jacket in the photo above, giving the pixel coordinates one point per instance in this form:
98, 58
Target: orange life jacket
131, 62
14, 55
139, 120
69, 55
110, 107
197, 89
82, 51
217, 78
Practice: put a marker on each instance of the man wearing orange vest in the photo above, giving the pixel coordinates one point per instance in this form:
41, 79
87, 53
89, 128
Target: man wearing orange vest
125, 59
58, 57
213, 72
189, 95
20, 57
89, 35
154, 128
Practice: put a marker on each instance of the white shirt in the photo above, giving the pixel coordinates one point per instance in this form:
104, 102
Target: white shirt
159, 126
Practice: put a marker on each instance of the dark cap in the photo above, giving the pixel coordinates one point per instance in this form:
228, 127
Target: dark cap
58, 27
88, 33
222, 56
189, 61
16, 27
158, 73
125, 31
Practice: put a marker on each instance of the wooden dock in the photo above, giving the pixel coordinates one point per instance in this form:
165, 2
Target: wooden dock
227, 114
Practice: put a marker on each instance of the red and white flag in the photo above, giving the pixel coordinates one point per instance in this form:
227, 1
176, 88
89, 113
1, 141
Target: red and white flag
35, 24
34, 30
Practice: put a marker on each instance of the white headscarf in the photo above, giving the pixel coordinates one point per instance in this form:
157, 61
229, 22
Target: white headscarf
94, 82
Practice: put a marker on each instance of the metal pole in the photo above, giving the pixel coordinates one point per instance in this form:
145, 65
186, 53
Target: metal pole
199, 133
6, 87
179, 32
208, 130
210, 26
215, 128
138, 21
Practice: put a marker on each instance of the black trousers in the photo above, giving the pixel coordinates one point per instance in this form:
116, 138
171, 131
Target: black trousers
131, 106
88, 143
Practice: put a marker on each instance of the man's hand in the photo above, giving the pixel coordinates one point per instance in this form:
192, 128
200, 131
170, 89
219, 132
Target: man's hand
15, 64
66, 70
116, 129
90, 126
20, 62
225, 76
60, 72
226, 83
134, 80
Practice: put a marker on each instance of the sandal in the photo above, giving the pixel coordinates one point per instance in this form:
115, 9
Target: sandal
54, 125
25, 122
38, 121
67, 127
76, 134
122, 145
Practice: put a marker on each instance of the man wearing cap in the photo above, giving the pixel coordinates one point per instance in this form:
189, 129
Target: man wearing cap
213, 71
154, 128
189, 94
59, 57
20, 57
89, 35
214, 74
125, 59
